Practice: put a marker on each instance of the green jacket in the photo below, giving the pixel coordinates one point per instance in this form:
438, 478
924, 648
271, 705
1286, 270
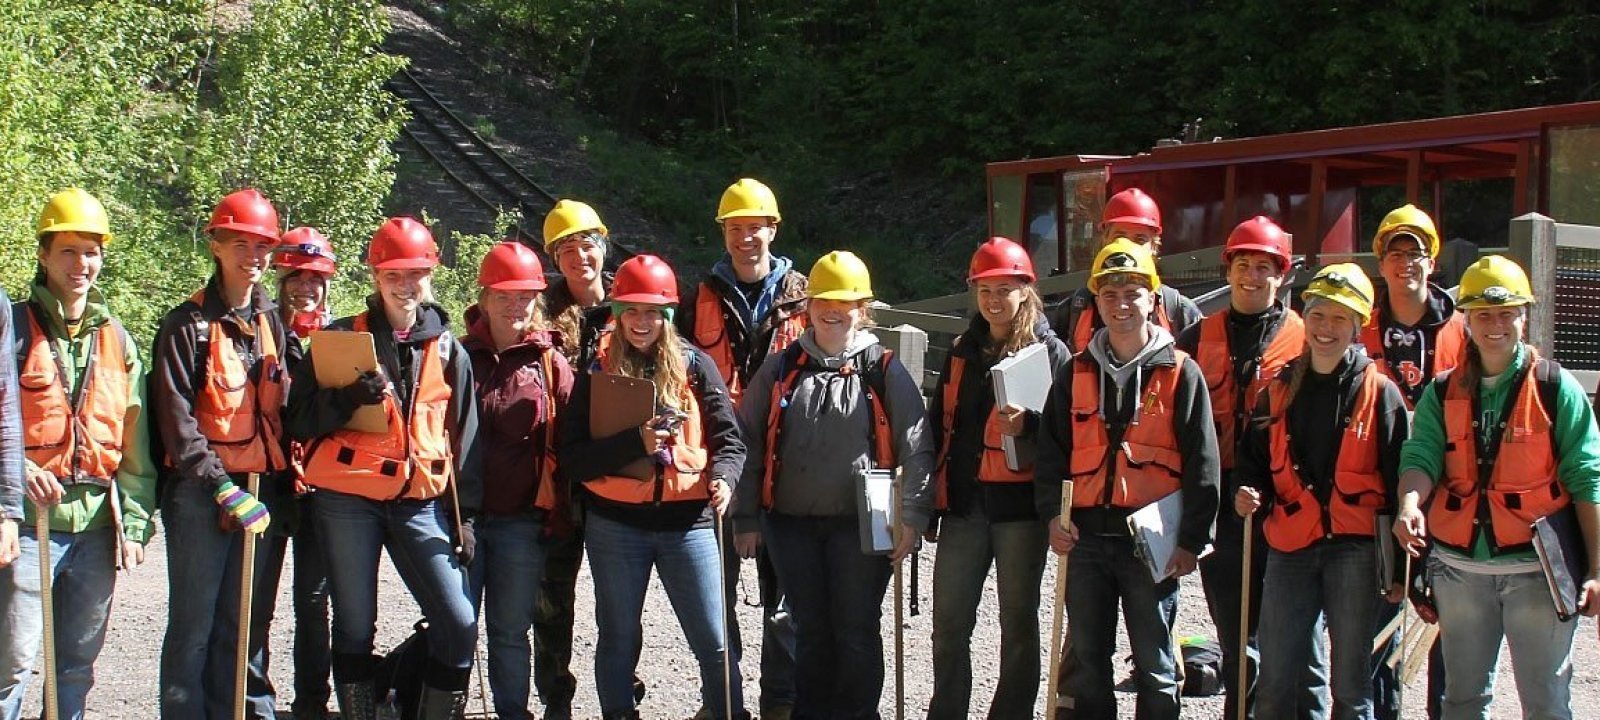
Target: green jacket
1577, 442
85, 506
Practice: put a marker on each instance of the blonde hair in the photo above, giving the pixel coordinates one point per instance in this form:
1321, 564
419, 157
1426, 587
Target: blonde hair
663, 363
568, 322
536, 322
1021, 334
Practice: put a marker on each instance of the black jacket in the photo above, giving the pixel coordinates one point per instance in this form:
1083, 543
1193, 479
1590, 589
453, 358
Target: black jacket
749, 344
178, 364
315, 411
584, 457
1317, 429
974, 400
1191, 426
581, 342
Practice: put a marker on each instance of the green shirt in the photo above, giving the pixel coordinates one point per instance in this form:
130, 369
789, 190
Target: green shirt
1577, 442
85, 506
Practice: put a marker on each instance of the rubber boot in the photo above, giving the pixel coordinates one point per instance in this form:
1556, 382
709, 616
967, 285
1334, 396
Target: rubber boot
355, 701
439, 704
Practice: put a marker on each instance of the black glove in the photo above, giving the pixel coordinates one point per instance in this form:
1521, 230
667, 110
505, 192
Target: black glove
367, 389
467, 544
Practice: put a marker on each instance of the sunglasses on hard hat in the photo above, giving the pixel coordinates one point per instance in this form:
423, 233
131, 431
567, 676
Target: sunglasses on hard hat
1339, 281
306, 249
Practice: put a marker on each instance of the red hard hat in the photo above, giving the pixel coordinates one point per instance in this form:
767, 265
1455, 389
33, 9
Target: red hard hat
246, 211
1134, 207
402, 244
1000, 257
304, 248
511, 265
1259, 234
646, 280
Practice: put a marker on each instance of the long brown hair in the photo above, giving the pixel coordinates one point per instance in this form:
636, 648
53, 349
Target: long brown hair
662, 364
1021, 334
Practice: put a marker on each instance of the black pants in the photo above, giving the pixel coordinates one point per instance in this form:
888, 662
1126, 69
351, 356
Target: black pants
313, 656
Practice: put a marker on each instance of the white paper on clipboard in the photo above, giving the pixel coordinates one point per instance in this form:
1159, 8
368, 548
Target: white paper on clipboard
1023, 380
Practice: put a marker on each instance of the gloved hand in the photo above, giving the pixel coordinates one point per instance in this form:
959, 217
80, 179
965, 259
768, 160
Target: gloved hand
242, 506
368, 388
467, 544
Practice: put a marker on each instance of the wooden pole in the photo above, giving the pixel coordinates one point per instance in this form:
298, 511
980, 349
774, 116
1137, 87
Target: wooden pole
247, 573
895, 530
1065, 519
1243, 688
727, 635
51, 708
1405, 607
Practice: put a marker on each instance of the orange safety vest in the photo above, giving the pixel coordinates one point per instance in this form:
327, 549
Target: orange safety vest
1230, 407
1083, 331
240, 419
794, 360
1507, 485
545, 497
1299, 517
78, 438
711, 335
410, 460
1449, 348
680, 482
992, 467
1147, 465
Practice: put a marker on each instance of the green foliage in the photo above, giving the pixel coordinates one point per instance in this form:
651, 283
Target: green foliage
156, 110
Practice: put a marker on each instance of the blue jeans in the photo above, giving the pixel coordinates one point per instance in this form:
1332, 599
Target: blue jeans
1476, 611
1221, 575
777, 625
505, 577
968, 546
1334, 580
837, 596
354, 530
313, 656
82, 575
203, 575
1104, 572
620, 559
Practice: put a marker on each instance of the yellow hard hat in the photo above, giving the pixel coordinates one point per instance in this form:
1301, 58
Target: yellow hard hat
748, 198
1346, 284
840, 275
1124, 255
1410, 220
1494, 281
568, 217
75, 210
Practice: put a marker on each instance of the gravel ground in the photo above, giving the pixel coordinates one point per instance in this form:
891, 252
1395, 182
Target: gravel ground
127, 671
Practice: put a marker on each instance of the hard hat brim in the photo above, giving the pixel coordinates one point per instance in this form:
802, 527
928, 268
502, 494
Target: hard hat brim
321, 266
643, 299
247, 229
748, 213
1132, 220
842, 295
86, 228
1001, 272
407, 264
1283, 261
1380, 244
533, 284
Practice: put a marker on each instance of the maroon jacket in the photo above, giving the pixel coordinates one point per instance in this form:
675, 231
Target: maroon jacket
512, 407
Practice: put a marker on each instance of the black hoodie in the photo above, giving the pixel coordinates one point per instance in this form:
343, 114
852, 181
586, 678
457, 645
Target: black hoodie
998, 502
315, 411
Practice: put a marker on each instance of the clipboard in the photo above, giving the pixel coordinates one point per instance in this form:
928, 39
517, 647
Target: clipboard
617, 404
338, 358
1024, 380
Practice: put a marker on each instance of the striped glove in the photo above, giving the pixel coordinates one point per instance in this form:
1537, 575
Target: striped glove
243, 506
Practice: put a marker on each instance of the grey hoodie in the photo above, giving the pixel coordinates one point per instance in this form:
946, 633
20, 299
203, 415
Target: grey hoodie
826, 437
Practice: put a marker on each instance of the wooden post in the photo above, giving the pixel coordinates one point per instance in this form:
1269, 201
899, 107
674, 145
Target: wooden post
52, 701
1242, 689
1533, 246
1065, 519
247, 577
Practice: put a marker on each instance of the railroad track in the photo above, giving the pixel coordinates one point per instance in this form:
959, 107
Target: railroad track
473, 165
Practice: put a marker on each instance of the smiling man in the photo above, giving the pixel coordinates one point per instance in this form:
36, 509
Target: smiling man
82, 401
751, 305
1127, 422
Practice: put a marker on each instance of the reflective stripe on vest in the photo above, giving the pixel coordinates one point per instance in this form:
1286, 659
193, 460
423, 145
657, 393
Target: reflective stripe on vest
1230, 405
1515, 486
412, 459
882, 440
992, 467
711, 335
1449, 349
1299, 516
1147, 465
1083, 331
679, 482
240, 419
77, 439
